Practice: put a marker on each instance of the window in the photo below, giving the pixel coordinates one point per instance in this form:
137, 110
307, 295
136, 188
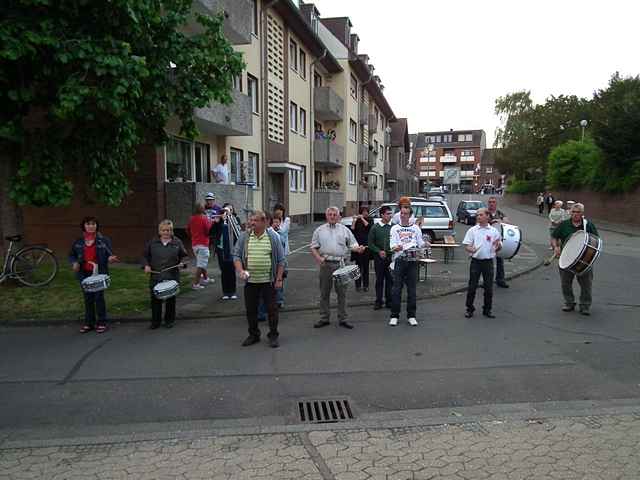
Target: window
235, 163
237, 82
303, 64
253, 173
303, 179
252, 91
354, 87
187, 161
465, 137
353, 131
447, 138
201, 161
303, 122
352, 174
293, 181
317, 80
489, 169
293, 55
254, 16
293, 117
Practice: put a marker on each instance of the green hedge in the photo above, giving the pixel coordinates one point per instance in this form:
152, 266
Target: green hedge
525, 186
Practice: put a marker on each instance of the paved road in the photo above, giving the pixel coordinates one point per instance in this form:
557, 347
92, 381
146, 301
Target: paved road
54, 382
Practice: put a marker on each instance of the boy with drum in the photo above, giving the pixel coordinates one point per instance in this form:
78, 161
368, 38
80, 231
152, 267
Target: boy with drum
404, 236
559, 237
160, 254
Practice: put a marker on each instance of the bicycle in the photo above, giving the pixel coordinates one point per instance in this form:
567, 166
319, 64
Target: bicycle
32, 265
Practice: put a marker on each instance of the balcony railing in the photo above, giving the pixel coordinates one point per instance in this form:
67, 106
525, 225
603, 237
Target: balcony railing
373, 123
448, 159
237, 18
327, 153
372, 161
466, 173
328, 104
467, 158
363, 113
327, 198
233, 119
363, 153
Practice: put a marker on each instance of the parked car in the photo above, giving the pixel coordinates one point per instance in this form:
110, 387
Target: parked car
437, 218
467, 210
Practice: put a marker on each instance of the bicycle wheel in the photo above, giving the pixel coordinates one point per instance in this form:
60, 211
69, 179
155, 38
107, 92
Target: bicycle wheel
34, 266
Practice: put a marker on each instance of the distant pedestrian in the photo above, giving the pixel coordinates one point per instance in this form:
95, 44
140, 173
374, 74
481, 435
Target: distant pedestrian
92, 252
361, 226
379, 246
548, 200
282, 228
556, 217
198, 229
259, 260
481, 241
540, 203
160, 254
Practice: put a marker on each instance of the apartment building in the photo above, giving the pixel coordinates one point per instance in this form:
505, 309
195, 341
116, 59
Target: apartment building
490, 177
449, 158
400, 173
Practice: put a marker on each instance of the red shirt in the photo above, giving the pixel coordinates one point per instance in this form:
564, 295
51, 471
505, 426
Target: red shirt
90, 255
199, 226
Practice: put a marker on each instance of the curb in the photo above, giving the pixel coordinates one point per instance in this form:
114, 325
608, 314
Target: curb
241, 313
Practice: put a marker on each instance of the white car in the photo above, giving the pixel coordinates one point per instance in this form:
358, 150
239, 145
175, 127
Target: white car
437, 218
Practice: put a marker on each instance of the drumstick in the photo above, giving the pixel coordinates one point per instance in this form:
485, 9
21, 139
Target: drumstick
181, 265
547, 261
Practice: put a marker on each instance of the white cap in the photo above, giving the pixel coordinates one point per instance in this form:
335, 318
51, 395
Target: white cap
209, 196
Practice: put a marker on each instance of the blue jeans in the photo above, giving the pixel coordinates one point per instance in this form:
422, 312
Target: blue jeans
404, 273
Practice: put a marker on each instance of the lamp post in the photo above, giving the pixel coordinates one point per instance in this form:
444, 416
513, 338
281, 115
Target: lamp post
583, 124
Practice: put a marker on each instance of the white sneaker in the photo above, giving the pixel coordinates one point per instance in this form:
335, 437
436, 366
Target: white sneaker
234, 297
393, 322
225, 297
412, 321
197, 287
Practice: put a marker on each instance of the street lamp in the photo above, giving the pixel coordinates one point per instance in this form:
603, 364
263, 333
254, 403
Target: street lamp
583, 124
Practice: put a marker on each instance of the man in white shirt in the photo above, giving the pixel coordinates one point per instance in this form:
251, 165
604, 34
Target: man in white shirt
330, 245
482, 241
221, 171
403, 237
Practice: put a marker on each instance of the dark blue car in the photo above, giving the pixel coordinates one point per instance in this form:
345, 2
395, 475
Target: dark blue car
466, 212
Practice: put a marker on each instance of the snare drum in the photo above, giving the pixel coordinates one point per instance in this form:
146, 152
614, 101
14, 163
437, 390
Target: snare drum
414, 254
166, 289
345, 275
580, 252
511, 240
96, 283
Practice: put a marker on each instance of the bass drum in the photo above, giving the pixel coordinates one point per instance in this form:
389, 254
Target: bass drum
580, 252
511, 240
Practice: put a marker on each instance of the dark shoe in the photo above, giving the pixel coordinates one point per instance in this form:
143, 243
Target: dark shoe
250, 340
101, 328
262, 319
568, 308
154, 326
377, 306
488, 314
321, 323
585, 312
86, 328
273, 342
502, 284
169, 325
468, 314
345, 324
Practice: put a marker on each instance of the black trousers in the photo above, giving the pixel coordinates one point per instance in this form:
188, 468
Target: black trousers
169, 310
404, 273
362, 260
500, 270
227, 274
541, 208
94, 304
384, 279
477, 268
253, 292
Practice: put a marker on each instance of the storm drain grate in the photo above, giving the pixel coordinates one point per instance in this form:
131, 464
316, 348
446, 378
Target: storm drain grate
325, 411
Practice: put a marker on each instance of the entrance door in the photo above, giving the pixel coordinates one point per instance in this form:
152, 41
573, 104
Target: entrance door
276, 189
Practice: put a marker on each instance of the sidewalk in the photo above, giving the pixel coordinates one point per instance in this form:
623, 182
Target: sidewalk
565, 440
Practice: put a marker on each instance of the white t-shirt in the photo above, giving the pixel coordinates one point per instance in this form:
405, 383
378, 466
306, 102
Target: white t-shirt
482, 237
409, 237
221, 173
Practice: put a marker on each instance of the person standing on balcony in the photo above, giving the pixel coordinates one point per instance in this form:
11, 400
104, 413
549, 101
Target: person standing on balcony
221, 171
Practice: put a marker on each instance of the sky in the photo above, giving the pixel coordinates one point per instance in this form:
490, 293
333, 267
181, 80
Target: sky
444, 63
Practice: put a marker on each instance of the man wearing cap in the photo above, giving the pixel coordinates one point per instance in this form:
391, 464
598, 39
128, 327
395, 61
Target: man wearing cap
221, 171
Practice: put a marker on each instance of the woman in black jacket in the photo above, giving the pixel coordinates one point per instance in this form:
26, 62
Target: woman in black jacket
92, 251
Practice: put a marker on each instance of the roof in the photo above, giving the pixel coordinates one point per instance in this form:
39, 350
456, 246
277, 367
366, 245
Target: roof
366, 77
297, 23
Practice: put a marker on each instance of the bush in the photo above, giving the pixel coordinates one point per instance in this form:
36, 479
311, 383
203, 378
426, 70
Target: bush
574, 165
525, 186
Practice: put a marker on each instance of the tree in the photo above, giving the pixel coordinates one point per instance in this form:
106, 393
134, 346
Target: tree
84, 82
574, 164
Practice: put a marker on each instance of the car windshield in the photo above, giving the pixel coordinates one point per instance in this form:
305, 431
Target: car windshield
473, 205
431, 211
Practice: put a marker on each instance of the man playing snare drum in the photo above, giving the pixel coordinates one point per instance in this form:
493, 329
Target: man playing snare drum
559, 238
330, 245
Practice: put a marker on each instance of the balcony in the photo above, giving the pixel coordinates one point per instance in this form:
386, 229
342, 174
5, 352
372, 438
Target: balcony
467, 173
237, 22
323, 199
372, 161
233, 119
363, 153
328, 154
448, 159
387, 138
328, 104
373, 123
387, 168
467, 158
363, 114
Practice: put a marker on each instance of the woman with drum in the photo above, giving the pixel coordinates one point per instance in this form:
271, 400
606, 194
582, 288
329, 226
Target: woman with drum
163, 256
361, 227
577, 226
90, 256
